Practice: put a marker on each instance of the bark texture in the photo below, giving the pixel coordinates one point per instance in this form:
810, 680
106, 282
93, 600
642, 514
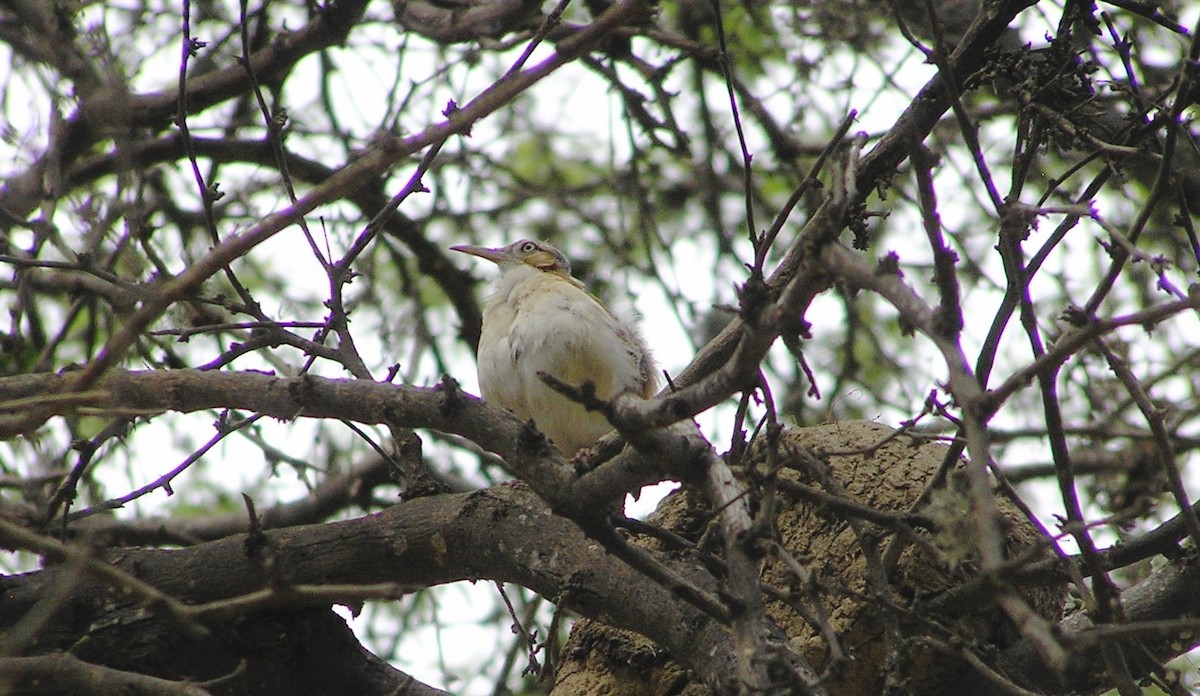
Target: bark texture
886, 624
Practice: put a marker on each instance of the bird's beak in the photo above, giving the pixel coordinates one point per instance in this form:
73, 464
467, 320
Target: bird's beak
493, 255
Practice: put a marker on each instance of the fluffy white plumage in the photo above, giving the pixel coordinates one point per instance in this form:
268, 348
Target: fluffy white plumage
540, 319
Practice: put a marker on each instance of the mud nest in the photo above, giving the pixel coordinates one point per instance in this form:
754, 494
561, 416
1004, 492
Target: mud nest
894, 631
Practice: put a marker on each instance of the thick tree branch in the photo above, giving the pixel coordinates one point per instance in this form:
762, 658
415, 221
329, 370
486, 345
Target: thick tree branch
423, 542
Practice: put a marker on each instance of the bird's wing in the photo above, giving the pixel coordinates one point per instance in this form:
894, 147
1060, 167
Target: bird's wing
567, 333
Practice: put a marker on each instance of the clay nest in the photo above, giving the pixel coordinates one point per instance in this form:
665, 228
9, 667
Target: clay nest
895, 630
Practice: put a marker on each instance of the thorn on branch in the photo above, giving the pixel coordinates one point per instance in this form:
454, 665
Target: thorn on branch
533, 440
452, 396
256, 538
222, 424
889, 265
1075, 316
935, 406
856, 220
753, 296
193, 46
85, 448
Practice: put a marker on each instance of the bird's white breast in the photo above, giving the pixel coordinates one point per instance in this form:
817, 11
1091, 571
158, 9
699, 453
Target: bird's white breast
542, 322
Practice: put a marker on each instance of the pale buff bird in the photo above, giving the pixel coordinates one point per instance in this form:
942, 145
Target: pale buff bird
540, 319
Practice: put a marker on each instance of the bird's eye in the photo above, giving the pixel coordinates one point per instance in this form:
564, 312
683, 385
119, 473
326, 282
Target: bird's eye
528, 248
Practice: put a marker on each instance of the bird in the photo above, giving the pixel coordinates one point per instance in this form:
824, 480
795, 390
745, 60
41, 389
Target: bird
540, 319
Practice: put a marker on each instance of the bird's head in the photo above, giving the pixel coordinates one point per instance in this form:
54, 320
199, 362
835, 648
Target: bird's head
539, 255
